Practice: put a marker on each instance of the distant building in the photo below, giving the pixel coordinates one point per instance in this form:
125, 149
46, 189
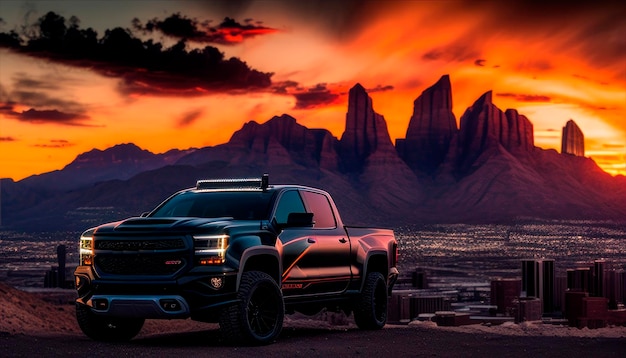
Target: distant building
615, 287
55, 277
530, 279
405, 306
504, 292
579, 279
538, 282
419, 279
529, 309
598, 284
560, 287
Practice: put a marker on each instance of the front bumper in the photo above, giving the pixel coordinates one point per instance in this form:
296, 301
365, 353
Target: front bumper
139, 306
198, 294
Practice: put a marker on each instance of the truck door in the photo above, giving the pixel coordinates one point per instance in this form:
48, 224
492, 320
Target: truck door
316, 259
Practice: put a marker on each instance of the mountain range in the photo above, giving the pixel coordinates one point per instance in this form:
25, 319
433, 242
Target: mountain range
486, 170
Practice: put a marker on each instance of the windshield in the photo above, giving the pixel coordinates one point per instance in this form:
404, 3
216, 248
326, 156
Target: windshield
240, 205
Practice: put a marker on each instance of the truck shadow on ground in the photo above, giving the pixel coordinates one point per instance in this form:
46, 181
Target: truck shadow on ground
214, 338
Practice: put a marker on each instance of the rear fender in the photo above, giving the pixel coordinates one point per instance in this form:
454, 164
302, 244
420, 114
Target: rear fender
375, 261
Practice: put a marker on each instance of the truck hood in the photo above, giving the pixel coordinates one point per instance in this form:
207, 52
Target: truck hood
171, 224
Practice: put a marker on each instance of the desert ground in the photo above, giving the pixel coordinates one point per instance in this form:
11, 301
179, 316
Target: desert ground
43, 324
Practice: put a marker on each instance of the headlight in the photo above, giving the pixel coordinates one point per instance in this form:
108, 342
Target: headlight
210, 249
85, 252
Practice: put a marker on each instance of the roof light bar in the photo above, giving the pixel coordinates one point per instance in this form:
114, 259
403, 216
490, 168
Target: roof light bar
235, 183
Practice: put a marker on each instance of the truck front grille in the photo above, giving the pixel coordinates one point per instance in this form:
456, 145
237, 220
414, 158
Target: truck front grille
130, 245
131, 264
140, 255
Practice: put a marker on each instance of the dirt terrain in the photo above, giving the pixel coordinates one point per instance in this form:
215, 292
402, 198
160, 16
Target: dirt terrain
38, 323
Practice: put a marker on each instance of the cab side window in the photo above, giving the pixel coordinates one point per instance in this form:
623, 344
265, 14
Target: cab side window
319, 205
290, 202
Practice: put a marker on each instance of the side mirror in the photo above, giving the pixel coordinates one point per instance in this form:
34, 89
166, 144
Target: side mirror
300, 220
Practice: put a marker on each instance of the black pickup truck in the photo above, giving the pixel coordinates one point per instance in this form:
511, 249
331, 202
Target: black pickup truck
239, 252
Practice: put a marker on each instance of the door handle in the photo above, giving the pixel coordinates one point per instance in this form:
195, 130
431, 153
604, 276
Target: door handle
343, 240
311, 240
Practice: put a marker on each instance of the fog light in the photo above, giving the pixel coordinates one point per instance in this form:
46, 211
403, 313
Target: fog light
217, 282
170, 305
101, 304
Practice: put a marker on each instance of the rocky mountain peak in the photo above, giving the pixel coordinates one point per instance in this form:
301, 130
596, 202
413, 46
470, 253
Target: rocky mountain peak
431, 128
521, 133
303, 145
118, 154
366, 131
484, 126
573, 140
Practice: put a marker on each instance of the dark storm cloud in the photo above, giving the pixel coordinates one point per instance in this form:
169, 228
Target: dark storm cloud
43, 100
43, 108
339, 20
228, 32
451, 53
525, 97
380, 88
144, 67
189, 117
22, 80
316, 96
55, 143
285, 87
51, 116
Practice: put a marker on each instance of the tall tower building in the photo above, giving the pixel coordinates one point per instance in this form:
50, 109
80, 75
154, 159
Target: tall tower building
529, 278
598, 285
504, 292
547, 285
579, 279
61, 259
538, 282
614, 288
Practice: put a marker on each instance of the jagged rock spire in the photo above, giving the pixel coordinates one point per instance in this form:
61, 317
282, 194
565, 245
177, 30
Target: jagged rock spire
366, 131
431, 128
573, 140
521, 133
484, 126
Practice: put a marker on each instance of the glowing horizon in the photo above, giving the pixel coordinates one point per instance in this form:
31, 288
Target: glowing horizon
551, 69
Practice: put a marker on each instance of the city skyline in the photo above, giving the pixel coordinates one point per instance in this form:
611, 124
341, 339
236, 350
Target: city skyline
549, 62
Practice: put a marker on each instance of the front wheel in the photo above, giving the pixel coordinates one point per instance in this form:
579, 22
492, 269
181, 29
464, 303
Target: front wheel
108, 329
370, 309
257, 317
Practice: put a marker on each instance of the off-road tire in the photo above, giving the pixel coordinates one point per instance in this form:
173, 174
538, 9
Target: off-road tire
257, 317
107, 329
370, 309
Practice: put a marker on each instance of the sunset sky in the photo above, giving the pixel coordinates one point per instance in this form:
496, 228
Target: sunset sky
181, 74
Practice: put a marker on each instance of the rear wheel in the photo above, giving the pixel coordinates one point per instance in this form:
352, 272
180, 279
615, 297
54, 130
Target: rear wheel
370, 310
257, 317
109, 329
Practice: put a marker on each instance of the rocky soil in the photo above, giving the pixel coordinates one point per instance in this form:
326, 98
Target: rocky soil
43, 323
